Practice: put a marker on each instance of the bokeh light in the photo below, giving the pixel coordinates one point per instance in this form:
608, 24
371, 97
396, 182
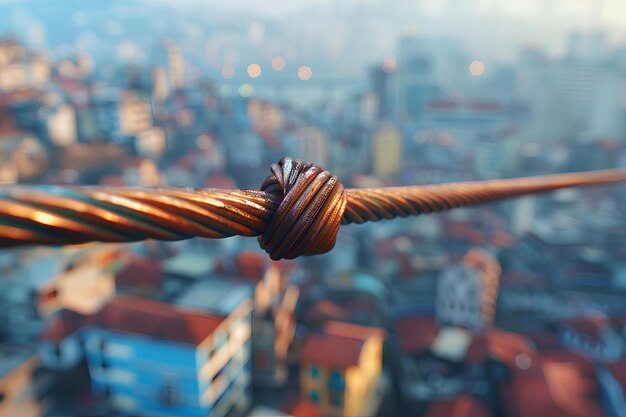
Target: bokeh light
246, 90
477, 68
278, 63
254, 70
305, 73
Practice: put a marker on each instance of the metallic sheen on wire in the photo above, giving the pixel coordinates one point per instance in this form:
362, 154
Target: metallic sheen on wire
297, 212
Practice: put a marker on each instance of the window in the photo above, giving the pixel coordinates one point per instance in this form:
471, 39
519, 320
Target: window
336, 399
220, 372
51, 294
315, 372
167, 394
335, 381
314, 396
219, 340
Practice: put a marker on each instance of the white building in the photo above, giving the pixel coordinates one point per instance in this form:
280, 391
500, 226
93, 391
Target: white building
467, 293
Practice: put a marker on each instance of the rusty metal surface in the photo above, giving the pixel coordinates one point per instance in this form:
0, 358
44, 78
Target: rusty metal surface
297, 212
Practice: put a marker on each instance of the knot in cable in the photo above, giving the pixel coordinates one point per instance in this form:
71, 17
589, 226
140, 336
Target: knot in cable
309, 215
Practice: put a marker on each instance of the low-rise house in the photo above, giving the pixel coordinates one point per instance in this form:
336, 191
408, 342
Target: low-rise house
559, 384
341, 370
441, 362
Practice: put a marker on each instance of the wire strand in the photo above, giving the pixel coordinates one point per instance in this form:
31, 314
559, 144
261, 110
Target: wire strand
298, 212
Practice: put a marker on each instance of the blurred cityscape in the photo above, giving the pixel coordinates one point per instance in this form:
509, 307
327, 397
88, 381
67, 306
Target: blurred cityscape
516, 309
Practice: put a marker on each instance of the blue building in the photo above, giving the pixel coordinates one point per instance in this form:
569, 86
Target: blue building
154, 359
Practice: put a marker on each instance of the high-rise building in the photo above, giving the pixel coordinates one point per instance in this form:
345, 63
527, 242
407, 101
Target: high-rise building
274, 326
425, 69
313, 145
175, 66
387, 152
160, 88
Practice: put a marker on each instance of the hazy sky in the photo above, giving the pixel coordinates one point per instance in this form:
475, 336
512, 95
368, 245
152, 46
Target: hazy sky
613, 11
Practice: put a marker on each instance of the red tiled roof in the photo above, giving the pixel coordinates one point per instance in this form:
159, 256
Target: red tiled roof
499, 345
462, 406
325, 308
156, 320
141, 273
63, 325
251, 265
353, 331
505, 346
416, 333
331, 350
306, 409
501, 239
140, 317
559, 385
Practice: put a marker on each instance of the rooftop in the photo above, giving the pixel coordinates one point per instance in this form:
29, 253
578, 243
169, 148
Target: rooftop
156, 320
340, 346
141, 273
214, 295
331, 350
462, 406
416, 333
140, 317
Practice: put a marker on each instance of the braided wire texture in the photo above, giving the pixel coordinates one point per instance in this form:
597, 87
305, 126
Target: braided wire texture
298, 210
375, 204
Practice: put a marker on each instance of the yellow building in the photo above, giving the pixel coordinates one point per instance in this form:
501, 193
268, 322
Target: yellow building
387, 152
16, 382
341, 370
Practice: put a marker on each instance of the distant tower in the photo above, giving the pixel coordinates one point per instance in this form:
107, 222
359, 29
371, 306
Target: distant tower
313, 145
176, 66
467, 293
387, 152
160, 89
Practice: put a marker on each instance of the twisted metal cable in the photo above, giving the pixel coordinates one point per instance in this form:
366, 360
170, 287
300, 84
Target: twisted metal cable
297, 212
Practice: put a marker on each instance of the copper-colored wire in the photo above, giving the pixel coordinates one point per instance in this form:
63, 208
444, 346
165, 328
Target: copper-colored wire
297, 212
